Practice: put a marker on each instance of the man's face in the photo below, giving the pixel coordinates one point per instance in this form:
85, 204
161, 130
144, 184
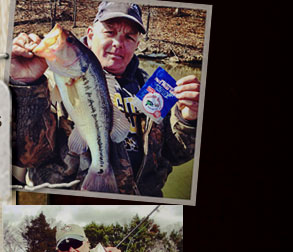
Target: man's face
83, 248
114, 43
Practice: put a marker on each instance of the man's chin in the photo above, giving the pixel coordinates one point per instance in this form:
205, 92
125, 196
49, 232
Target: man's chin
117, 70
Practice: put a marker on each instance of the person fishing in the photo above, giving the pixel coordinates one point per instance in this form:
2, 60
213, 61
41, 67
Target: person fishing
143, 161
72, 238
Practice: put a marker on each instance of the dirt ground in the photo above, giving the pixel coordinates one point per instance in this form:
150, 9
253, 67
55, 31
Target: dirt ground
179, 36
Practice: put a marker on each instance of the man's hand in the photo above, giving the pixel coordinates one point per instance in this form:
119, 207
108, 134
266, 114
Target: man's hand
187, 92
25, 66
112, 249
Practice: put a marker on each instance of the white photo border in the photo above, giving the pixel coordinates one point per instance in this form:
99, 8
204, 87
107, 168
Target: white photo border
192, 200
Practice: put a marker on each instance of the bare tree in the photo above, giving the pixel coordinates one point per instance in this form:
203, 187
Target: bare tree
74, 14
148, 23
53, 5
12, 239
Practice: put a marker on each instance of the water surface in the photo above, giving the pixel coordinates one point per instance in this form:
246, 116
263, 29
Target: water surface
176, 70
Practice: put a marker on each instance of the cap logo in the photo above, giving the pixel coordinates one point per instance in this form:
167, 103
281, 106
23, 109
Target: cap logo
66, 228
134, 6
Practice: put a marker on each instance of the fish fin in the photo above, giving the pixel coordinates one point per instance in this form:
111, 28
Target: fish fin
70, 88
120, 127
100, 248
72, 92
55, 95
111, 83
53, 88
105, 182
76, 143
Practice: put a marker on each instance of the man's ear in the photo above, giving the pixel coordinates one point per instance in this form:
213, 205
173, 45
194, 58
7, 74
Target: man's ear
139, 39
90, 34
88, 242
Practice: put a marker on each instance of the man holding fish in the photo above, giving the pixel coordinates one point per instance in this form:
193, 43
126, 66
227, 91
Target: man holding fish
81, 128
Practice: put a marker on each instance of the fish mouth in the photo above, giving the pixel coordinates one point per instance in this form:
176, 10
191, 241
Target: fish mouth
51, 48
51, 43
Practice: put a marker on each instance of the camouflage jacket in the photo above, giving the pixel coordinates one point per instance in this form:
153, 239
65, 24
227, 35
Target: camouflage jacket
40, 134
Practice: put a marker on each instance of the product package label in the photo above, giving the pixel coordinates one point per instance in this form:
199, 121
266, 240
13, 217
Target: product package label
156, 98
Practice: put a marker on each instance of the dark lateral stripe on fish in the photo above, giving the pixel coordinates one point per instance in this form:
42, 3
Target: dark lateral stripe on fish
95, 115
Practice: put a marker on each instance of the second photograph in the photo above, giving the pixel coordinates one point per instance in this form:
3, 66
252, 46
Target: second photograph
104, 228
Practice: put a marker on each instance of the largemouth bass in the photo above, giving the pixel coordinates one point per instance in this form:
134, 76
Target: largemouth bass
85, 94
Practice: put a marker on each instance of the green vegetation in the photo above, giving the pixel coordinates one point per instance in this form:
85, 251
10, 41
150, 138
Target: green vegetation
39, 236
179, 181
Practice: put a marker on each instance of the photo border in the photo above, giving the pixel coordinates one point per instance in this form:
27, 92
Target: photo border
192, 200
6, 24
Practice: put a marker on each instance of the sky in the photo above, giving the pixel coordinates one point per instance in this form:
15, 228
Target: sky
166, 216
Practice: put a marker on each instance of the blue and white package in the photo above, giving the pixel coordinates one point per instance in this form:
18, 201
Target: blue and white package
156, 98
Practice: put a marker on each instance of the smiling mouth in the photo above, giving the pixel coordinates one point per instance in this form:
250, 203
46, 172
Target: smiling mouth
115, 55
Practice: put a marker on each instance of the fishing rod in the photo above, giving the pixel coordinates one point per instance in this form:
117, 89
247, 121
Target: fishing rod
138, 225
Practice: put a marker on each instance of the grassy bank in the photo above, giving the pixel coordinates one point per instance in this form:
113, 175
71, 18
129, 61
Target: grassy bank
181, 176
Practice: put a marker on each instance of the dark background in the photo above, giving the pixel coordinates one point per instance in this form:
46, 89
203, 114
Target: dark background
240, 138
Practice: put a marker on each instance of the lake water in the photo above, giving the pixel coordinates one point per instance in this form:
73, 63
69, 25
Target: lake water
176, 70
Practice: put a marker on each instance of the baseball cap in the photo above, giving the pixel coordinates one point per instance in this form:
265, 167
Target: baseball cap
109, 10
71, 231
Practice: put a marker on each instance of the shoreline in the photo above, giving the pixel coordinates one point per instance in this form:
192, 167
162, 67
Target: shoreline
173, 35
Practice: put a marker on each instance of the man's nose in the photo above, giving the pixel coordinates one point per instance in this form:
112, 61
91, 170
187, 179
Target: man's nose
118, 41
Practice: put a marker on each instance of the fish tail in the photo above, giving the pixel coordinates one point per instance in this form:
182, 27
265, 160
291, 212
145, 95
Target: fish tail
100, 182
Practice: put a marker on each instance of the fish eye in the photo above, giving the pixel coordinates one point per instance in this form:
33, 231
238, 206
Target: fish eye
69, 39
